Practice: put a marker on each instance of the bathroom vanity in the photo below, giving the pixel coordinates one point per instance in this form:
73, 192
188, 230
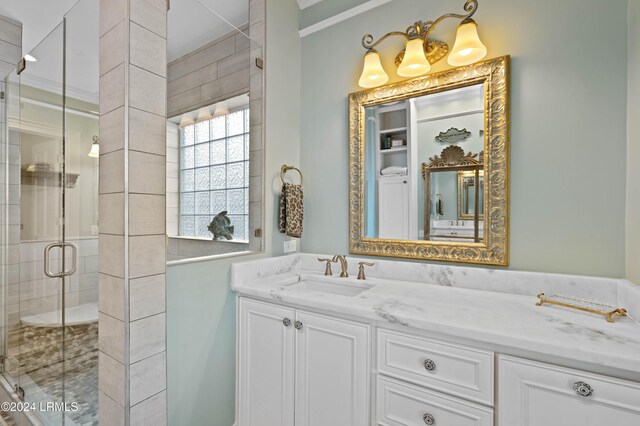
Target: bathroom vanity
417, 344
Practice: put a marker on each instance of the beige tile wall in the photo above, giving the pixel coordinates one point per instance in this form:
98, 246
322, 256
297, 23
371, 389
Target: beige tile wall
132, 364
214, 72
173, 179
10, 45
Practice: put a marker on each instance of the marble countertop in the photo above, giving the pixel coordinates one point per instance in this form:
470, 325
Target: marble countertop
495, 318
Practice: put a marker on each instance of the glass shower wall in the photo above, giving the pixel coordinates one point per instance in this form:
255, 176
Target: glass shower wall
49, 223
10, 227
81, 209
9, 221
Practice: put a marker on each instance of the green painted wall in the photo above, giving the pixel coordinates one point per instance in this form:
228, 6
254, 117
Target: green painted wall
568, 121
633, 144
200, 305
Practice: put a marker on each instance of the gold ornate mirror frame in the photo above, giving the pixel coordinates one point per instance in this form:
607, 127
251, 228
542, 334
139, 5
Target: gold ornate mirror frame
467, 180
494, 248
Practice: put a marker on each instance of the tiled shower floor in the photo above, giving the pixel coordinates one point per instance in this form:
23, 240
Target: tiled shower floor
36, 353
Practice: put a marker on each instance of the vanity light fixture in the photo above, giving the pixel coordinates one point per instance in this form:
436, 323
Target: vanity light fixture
30, 58
95, 147
420, 52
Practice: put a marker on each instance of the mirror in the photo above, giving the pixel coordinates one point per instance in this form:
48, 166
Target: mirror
467, 195
419, 153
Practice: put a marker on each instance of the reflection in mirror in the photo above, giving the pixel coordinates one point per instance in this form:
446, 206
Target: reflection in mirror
421, 156
467, 195
419, 152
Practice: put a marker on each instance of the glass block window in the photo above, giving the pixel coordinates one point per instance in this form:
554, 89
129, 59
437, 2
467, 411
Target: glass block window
214, 174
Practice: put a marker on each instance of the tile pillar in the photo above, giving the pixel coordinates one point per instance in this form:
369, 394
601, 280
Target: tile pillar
10, 45
132, 333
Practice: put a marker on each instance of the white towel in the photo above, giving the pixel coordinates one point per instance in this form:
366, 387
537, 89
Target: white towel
394, 170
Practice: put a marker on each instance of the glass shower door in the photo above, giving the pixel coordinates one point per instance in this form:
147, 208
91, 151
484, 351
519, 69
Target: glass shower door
36, 343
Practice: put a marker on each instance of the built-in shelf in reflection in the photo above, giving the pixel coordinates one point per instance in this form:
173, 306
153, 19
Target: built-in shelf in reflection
39, 177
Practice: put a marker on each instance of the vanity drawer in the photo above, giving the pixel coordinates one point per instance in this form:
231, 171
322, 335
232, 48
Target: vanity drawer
405, 405
457, 370
538, 394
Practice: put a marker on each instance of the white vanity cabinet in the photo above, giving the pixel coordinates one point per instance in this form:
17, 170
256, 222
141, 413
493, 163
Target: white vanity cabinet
300, 368
424, 381
537, 394
312, 370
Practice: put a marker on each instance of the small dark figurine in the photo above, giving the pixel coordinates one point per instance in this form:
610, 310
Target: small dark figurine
221, 226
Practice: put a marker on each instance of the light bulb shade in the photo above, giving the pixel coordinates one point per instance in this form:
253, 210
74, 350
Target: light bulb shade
95, 150
415, 62
467, 48
373, 74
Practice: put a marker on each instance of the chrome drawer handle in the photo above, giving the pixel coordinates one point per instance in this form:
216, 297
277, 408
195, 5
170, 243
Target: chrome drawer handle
297, 325
286, 322
429, 365
583, 389
429, 419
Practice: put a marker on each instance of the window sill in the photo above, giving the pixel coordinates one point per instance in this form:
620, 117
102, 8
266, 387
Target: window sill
212, 257
182, 237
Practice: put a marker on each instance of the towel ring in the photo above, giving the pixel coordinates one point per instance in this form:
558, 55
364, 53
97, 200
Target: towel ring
284, 169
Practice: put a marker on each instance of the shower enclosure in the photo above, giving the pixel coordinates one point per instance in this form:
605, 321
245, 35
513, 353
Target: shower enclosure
49, 223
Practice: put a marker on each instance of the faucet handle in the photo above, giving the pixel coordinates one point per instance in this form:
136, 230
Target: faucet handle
361, 269
327, 269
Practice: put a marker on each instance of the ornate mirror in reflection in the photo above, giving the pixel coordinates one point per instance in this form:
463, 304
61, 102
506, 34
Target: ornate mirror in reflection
467, 195
419, 154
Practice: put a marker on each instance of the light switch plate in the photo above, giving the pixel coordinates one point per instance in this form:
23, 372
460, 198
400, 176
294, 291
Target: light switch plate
290, 246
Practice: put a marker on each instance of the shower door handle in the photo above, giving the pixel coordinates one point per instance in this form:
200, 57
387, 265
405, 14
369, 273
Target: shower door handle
47, 261
74, 259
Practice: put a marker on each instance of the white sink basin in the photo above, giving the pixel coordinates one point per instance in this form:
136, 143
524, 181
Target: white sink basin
334, 286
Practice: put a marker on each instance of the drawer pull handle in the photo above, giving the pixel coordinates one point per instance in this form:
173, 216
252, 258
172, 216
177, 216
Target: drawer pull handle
297, 325
429, 419
429, 365
286, 322
583, 389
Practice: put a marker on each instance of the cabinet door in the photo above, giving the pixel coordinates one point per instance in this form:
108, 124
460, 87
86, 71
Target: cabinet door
332, 371
536, 394
393, 205
266, 364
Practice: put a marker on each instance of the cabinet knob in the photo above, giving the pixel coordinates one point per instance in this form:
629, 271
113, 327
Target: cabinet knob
297, 325
286, 322
583, 389
429, 419
429, 364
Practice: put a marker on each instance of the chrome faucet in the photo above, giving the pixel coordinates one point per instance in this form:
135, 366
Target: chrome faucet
343, 264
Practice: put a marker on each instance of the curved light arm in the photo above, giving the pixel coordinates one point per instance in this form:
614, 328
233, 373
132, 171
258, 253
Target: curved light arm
470, 7
421, 29
367, 40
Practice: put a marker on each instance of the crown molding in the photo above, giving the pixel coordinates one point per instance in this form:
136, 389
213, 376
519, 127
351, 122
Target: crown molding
56, 87
303, 4
335, 19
